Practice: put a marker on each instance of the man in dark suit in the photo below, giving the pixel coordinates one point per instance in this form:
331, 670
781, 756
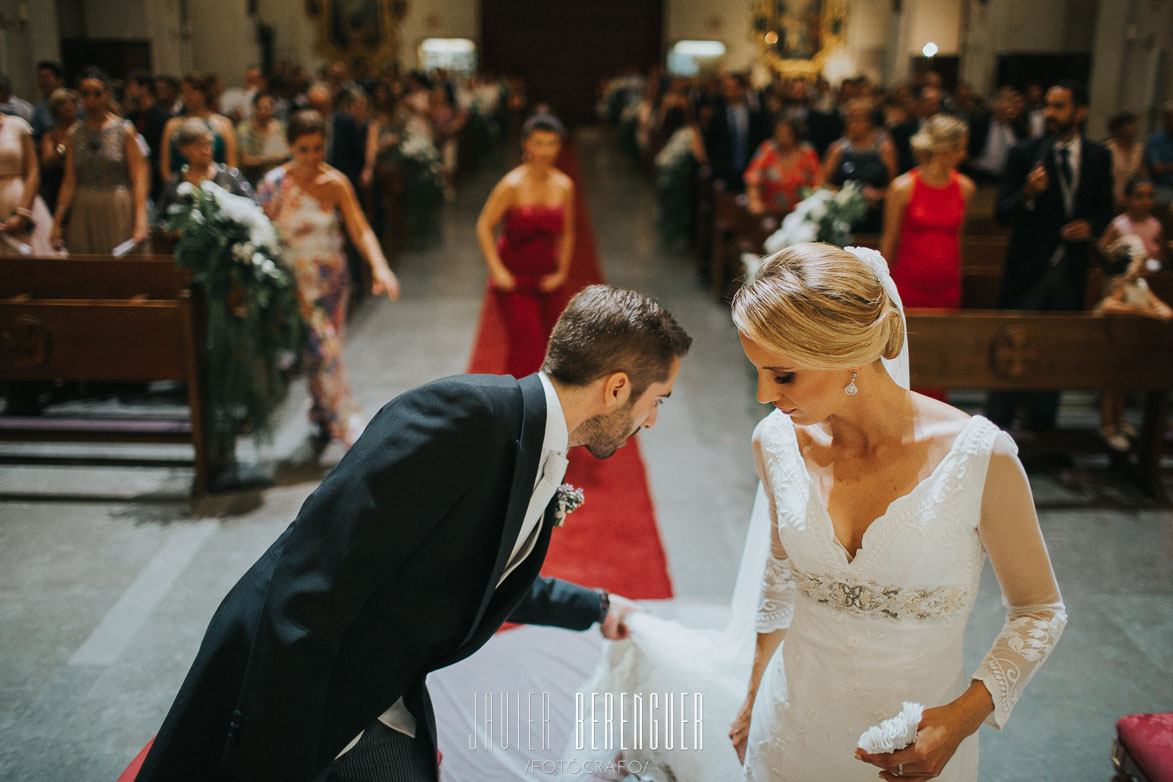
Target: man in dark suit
427, 536
992, 134
1056, 193
734, 132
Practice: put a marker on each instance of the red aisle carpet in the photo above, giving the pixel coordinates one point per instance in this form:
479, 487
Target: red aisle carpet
612, 540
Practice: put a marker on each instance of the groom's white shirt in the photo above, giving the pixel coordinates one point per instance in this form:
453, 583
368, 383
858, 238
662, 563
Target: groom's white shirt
551, 470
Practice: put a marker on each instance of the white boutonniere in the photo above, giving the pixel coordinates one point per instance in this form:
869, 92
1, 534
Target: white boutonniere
568, 499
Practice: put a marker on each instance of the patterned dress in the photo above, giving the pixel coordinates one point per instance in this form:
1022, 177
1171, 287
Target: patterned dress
311, 240
782, 179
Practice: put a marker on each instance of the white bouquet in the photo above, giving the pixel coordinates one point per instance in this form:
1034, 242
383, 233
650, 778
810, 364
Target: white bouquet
893, 733
677, 150
823, 216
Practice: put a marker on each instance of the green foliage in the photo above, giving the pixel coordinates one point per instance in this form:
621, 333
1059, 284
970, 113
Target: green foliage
676, 183
423, 189
253, 332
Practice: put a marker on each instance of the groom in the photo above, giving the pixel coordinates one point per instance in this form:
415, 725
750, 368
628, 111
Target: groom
427, 536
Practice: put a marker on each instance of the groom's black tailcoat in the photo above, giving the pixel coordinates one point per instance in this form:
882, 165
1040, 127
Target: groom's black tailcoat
389, 571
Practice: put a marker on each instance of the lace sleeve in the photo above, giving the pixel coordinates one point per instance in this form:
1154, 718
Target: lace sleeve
776, 601
776, 604
1036, 615
1029, 635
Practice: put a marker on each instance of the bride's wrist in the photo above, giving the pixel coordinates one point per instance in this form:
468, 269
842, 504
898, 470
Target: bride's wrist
973, 706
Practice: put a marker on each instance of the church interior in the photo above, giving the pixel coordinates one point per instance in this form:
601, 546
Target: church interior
146, 462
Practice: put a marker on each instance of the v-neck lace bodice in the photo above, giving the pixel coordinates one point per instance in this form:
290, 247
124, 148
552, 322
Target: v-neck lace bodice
893, 507
946, 502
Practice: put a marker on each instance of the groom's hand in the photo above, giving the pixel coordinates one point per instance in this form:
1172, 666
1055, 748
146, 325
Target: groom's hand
613, 627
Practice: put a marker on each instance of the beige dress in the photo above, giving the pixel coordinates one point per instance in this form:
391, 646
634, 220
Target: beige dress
102, 216
12, 132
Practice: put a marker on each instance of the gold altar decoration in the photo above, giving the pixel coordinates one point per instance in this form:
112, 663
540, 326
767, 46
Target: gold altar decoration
797, 36
353, 29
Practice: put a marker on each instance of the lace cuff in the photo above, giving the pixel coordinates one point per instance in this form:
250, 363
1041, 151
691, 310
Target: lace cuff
1029, 635
776, 604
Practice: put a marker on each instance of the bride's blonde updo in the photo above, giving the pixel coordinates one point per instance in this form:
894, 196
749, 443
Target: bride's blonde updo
821, 306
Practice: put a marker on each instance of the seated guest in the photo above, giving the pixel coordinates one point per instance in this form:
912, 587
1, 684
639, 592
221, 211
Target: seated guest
10, 104
733, 132
1127, 154
447, 120
261, 138
348, 137
781, 169
149, 120
1130, 240
237, 103
167, 95
864, 154
965, 104
195, 140
198, 92
1137, 220
1158, 157
1034, 110
991, 136
823, 127
49, 79
55, 143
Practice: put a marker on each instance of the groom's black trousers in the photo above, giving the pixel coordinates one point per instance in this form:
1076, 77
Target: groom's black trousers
384, 755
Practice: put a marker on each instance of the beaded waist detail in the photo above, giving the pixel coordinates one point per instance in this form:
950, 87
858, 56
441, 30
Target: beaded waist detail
867, 598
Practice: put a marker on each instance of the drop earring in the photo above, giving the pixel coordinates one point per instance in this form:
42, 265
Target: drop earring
851, 389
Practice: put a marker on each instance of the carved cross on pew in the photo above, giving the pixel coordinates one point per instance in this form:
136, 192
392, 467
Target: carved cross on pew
25, 342
1013, 353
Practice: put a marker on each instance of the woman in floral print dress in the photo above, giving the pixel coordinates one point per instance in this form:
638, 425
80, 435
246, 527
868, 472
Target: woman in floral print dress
304, 198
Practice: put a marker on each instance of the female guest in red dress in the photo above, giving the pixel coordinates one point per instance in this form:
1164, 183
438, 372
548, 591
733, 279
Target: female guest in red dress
923, 215
534, 204
922, 220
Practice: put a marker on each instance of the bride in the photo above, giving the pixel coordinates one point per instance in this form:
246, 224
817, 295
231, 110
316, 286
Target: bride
877, 509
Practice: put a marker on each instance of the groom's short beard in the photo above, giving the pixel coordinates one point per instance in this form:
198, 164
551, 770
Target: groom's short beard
603, 434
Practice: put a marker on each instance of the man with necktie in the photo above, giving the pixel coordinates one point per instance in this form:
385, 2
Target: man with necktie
427, 536
1056, 194
733, 134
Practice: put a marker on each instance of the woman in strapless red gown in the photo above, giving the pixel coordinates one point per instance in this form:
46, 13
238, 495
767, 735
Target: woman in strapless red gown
923, 214
528, 263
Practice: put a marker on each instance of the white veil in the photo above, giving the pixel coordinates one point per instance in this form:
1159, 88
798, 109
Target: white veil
897, 367
663, 656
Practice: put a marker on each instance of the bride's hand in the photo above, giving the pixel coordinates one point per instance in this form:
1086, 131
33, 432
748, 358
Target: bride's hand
940, 732
739, 730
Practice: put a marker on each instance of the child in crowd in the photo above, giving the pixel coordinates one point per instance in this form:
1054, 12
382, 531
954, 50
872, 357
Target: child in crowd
1132, 245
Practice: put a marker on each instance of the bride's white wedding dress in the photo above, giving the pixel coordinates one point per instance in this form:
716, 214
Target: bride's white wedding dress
866, 633
862, 635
